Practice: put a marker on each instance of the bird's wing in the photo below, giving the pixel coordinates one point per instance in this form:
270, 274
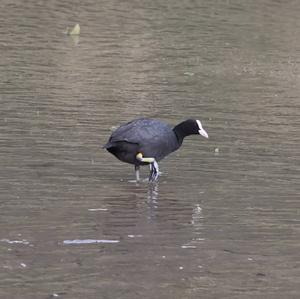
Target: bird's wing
139, 131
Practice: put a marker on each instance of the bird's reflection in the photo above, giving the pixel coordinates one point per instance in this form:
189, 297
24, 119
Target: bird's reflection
197, 217
152, 200
153, 193
151, 211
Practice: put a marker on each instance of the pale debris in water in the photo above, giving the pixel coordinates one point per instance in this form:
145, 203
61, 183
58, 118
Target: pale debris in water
134, 236
89, 241
189, 74
188, 246
15, 241
75, 30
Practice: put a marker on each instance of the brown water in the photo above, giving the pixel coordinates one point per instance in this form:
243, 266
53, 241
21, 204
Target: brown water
224, 219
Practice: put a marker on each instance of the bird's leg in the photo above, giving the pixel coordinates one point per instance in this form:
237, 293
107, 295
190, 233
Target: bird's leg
154, 171
140, 157
137, 172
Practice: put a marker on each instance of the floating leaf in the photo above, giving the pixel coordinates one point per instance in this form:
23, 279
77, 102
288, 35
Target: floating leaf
75, 30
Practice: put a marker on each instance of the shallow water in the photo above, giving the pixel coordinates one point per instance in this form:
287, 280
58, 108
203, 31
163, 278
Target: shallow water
222, 222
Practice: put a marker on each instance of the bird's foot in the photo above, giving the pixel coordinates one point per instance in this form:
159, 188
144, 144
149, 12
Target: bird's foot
154, 171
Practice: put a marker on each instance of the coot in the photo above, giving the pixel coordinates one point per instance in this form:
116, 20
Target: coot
145, 141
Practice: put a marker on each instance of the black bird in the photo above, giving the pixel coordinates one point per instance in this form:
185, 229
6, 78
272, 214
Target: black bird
145, 141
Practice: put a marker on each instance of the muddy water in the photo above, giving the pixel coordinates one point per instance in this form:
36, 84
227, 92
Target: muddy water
222, 222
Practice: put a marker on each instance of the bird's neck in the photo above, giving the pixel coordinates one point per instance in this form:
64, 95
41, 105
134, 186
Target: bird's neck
181, 131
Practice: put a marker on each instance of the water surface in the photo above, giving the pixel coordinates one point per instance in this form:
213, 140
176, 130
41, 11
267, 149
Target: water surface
222, 222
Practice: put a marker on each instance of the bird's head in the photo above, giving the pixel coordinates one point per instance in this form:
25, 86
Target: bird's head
189, 127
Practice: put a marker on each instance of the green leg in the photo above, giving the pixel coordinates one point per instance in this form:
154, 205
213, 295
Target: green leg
154, 170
